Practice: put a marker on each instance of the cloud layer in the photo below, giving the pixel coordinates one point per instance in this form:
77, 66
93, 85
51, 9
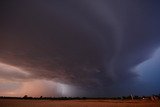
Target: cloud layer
85, 43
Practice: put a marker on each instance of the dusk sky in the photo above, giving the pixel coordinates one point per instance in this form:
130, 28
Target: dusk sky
89, 48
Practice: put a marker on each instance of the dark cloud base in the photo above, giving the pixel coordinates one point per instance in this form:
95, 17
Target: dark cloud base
90, 44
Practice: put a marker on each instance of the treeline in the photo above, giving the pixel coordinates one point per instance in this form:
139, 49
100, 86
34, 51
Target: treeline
130, 97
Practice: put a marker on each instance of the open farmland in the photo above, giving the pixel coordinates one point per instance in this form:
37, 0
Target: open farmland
77, 103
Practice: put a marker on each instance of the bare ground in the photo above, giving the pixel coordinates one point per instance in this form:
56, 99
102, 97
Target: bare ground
78, 103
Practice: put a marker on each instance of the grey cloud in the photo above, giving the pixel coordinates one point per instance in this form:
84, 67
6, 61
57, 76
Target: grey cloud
86, 43
9, 72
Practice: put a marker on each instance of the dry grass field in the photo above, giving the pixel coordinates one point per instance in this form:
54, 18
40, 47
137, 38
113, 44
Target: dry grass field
77, 103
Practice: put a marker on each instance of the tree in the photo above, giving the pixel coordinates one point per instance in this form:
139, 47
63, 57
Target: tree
25, 96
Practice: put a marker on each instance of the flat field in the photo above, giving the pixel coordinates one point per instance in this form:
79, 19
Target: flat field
77, 103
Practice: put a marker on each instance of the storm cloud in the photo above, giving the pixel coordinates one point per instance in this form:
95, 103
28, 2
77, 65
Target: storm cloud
89, 44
